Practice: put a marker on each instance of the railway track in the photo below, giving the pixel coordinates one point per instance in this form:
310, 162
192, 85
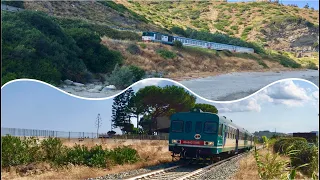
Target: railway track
182, 172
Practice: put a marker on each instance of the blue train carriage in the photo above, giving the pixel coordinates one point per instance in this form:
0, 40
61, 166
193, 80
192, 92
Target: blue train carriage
198, 134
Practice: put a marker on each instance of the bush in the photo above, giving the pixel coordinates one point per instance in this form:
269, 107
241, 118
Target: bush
166, 54
52, 148
98, 58
13, 151
133, 49
125, 76
138, 73
142, 45
19, 152
178, 44
122, 155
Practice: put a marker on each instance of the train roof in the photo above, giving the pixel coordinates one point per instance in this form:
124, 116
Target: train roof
211, 42
223, 119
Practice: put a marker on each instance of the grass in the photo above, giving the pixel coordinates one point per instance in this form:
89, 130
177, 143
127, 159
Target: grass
151, 152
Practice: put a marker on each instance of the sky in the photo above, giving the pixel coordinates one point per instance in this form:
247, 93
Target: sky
287, 106
301, 4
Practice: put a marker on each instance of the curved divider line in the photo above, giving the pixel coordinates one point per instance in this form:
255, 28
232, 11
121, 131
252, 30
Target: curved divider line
163, 79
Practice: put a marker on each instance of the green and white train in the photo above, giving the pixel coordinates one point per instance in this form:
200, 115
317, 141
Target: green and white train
198, 134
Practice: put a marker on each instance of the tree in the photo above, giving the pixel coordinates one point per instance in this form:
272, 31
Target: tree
206, 108
136, 107
306, 6
111, 133
164, 101
121, 116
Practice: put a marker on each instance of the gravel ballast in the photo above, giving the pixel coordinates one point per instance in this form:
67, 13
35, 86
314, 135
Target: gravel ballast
223, 171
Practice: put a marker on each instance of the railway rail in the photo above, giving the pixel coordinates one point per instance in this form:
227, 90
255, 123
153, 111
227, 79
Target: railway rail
184, 171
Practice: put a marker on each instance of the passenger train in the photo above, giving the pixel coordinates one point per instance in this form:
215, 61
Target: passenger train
197, 134
167, 39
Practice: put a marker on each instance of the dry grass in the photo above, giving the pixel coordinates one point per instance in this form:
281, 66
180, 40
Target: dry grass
151, 152
248, 168
189, 63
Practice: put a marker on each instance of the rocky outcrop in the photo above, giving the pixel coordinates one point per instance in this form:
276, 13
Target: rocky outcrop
90, 90
292, 34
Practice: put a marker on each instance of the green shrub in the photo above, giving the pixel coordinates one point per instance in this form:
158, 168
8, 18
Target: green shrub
138, 73
133, 49
124, 76
13, 151
52, 148
98, 58
234, 28
122, 155
178, 44
143, 45
166, 54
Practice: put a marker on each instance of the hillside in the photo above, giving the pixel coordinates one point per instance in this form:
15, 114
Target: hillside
262, 22
82, 42
290, 30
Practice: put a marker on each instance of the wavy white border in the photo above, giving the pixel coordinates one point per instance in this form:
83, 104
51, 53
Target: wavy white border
150, 79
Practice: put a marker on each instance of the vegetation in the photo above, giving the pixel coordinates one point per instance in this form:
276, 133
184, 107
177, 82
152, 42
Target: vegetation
124, 76
21, 152
289, 155
36, 46
166, 54
206, 108
150, 103
305, 154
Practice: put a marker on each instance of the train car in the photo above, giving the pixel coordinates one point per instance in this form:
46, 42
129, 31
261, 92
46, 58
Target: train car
157, 37
167, 39
198, 134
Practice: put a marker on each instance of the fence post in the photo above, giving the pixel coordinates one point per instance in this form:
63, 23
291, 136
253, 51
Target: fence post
69, 136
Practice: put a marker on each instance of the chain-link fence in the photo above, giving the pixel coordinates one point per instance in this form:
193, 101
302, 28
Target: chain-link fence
72, 135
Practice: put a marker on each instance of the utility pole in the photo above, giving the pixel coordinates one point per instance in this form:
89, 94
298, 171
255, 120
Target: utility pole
98, 124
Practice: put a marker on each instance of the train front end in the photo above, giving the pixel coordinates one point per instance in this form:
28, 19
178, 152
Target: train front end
194, 135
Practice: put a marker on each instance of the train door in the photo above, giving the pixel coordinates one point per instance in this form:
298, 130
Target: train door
245, 139
170, 38
237, 140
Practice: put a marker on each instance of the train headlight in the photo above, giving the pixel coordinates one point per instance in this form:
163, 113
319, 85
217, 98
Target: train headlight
208, 143
174, 141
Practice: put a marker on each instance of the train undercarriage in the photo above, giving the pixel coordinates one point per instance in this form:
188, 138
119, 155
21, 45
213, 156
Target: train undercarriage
203, 155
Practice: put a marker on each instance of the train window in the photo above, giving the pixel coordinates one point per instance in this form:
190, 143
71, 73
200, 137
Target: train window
198, 127
177, 126
188, 126
210, 127
220, 130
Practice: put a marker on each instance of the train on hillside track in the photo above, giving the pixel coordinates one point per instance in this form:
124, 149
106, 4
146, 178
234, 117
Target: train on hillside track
168, 39
206, 136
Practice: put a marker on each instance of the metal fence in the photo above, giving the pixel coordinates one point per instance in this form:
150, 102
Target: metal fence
72, 135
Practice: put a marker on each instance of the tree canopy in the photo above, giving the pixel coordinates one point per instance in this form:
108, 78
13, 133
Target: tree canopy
206, 108
150, 103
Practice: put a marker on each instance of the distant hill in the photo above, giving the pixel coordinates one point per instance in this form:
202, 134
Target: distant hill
268, 134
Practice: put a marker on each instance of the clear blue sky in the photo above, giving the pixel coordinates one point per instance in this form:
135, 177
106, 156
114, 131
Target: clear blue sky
288, 106
301, 4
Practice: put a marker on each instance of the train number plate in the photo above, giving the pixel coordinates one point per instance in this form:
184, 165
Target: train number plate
192, 142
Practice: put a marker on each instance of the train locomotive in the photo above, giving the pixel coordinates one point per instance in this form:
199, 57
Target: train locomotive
168, 39
206, 136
